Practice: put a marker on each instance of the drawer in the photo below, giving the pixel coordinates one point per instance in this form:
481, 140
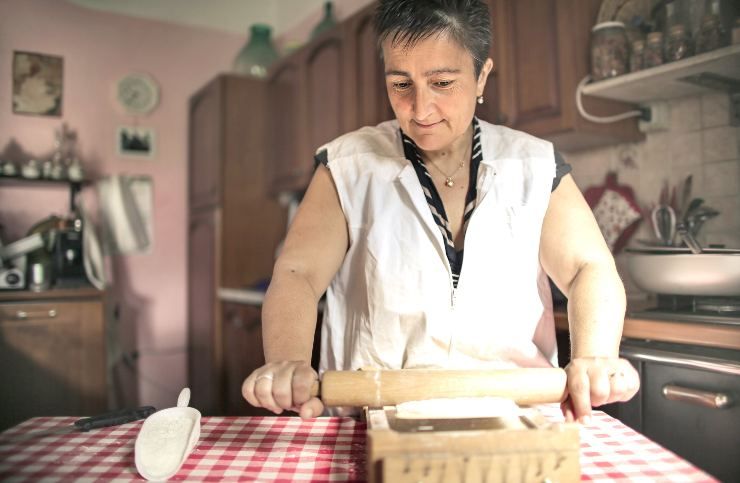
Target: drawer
40, 311
53, 354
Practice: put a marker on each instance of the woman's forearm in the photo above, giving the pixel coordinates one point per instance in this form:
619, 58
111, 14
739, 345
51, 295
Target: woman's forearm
289, 318
596, 307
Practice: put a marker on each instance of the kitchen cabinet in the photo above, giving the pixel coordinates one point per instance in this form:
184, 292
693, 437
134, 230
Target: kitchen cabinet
307, 90
242, 341
52, 354
541, 52
234, 225
333, 85
242, 347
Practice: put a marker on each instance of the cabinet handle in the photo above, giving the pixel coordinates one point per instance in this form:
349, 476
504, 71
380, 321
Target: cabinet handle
42, 314
714, 400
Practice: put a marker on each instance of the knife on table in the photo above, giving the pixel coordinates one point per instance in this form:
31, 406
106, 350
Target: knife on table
113, 418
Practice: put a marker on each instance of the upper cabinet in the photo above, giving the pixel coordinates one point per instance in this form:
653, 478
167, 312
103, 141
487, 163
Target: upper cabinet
541, 51
335, 84
306, 88
331, 86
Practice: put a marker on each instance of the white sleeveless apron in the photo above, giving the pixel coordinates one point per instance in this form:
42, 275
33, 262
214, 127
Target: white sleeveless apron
392, 304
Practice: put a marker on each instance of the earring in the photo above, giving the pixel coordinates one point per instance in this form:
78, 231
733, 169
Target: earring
480, 99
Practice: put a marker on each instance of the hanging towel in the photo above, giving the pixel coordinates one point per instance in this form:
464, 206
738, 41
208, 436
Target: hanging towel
92, 255
121, 215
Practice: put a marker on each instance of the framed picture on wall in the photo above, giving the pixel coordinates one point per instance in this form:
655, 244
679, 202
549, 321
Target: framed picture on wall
135, 141
37, 84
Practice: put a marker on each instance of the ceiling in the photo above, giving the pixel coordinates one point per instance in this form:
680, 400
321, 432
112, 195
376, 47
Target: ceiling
233, 16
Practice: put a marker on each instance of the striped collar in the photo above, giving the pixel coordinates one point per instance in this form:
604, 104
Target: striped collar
411, 151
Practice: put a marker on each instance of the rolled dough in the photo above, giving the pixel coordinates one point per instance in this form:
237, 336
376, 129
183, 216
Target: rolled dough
456, 408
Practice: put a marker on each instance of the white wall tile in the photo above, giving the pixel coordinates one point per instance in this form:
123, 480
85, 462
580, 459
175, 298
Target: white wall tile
686, 114
715, 110
699, 142
720, 144
685, 149
722, 178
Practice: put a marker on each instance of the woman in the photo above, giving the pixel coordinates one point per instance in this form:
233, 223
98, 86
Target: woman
388, 212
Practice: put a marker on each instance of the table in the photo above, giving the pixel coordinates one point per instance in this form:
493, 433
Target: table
288, 449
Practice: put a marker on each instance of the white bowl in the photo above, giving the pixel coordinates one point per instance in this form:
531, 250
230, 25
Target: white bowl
707, 274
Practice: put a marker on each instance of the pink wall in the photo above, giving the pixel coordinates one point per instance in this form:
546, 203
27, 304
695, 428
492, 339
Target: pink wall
98, 48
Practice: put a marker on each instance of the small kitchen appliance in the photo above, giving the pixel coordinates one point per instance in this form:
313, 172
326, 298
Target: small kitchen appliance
68, 260
13, 261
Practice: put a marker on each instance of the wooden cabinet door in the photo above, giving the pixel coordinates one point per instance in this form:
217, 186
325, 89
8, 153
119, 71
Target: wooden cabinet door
324, 70
366, 99
205, 149
307, 93
52, 359
242, 340
528, 63
541, 52
204, 325
287, 168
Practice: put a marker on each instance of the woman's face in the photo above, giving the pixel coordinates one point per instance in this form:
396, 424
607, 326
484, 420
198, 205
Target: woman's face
432, 89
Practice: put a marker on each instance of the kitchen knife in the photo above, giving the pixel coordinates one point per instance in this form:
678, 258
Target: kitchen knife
377, 388
84, 425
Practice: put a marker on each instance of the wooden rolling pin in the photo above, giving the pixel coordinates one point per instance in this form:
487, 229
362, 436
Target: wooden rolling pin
377, 388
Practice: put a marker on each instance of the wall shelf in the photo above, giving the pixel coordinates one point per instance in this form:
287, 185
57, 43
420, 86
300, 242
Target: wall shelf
700, 74
74, 186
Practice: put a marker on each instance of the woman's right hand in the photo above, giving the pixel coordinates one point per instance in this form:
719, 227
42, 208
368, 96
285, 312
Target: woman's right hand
278, 386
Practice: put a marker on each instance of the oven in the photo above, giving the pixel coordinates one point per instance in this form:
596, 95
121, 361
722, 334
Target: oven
689, 400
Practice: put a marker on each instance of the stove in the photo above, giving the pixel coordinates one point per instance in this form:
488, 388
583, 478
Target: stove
701, 309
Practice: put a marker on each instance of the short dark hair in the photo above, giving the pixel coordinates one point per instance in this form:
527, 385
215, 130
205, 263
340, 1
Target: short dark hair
410, 21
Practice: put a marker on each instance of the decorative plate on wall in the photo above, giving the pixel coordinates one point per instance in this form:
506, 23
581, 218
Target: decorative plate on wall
137, 93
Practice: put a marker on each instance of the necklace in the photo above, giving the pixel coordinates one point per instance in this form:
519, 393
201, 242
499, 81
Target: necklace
449, 178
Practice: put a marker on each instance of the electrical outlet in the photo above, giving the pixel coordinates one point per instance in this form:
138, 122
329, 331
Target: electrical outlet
659, 118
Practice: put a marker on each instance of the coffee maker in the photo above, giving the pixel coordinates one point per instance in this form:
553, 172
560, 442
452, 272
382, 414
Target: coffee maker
68, 262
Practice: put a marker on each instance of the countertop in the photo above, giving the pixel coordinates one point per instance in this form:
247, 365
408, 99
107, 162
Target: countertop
712, 335
290, 449
52, 294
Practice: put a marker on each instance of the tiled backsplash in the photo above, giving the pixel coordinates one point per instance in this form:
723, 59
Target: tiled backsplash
700, 142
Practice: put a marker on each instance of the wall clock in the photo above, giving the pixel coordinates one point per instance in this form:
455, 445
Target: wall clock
137, 93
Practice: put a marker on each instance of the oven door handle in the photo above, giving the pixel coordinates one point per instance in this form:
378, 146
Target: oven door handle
692, 362
713, 400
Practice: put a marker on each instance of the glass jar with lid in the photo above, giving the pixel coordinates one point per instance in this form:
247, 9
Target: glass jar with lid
653, 50
712, 34
609, 50
678, 44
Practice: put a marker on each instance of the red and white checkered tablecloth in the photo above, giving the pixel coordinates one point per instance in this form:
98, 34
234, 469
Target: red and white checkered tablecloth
286, 449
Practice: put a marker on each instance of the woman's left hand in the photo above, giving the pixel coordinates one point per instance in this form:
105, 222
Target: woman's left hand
595, 381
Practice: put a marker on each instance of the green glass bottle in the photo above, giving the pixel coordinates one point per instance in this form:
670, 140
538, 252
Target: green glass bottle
327, 22
257, 55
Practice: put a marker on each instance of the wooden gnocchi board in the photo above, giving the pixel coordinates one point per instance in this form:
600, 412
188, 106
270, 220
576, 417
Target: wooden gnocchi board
523, 448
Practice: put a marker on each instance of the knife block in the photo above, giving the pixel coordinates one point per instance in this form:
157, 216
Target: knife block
525, 448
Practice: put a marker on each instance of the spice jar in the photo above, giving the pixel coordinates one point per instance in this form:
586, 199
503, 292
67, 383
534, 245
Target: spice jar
609, 52
711, 35
637, 55
678, 44
653, 50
